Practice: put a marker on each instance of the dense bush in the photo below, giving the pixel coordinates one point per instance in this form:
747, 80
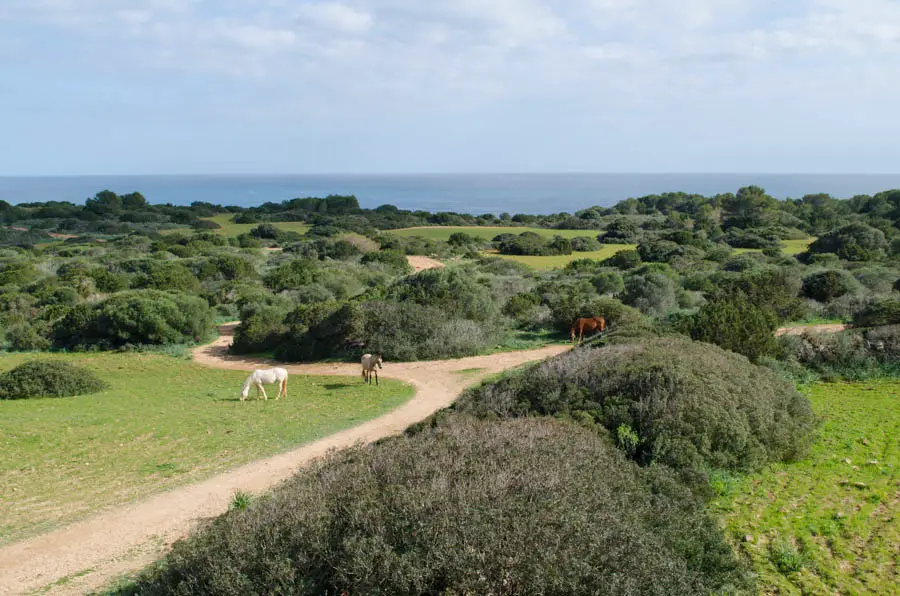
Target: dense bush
652, 293
624, 259
735, 323
622, 231
825, 286
291, 275
262, 328
48, 378
451, 290
466, 507
529, 243
608, 282
885, 311
142, 317
853, 242
585, 244
850, 355
392, 258
693, 406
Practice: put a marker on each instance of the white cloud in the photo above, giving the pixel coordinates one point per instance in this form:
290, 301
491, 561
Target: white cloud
465, 51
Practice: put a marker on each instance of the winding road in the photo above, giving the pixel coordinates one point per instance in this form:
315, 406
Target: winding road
89, 554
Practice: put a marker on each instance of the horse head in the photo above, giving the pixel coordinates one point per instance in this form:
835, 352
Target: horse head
378, 360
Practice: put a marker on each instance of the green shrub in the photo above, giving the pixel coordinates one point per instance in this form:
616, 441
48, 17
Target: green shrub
392, 258
262, 328
853, 242
884, 311
137, 317
291, 275
624, 259
621, 231
653, 293
169, 276
466, 507
608, 282
825, 286
206, 225
23, 337
586, 244
736, 324
693, 406
48, 378
452, 290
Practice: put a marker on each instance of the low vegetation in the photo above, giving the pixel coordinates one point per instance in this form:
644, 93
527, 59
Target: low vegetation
687, 405
48, 378
160, 423
464, 507
826, 524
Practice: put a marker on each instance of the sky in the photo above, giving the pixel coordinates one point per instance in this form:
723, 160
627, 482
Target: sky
440, 86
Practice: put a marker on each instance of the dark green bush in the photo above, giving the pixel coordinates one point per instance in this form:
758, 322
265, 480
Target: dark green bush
608, 282
652, 293
137, 317
206, 224
262, 328
825, 286
853, 242
736, 324
624, 259
48, 378
392, 258
452, 290
585, 244
621, 231
169, 276
693, 406
21, 336
291, 275
884, 311
467, 507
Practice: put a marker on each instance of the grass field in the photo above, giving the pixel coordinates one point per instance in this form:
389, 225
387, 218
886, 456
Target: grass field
487, 232
831, 523
233, 230
546, 263
163, 422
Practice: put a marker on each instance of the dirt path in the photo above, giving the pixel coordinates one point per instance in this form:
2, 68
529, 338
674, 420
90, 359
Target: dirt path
801, 329
423, 263
89, 554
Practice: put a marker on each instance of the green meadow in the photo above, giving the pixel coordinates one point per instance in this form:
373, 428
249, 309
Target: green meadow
560, 261
828, 524
233, 230
161, 423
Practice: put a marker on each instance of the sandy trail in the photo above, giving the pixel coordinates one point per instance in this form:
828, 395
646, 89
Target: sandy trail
91, 553
423, 263
801, 329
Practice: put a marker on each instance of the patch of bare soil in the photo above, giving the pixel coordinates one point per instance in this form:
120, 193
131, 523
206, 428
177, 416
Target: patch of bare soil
90, 554
801, 329
423, 263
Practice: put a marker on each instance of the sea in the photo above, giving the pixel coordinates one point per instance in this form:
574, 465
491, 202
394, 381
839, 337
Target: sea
464, 193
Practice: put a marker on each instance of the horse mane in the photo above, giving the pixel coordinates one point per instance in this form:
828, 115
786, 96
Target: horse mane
247, 382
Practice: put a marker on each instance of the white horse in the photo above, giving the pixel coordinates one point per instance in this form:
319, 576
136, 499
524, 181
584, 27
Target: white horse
258, 377
369, 364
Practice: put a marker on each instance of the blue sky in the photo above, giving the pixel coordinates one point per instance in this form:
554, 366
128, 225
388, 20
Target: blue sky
403, 86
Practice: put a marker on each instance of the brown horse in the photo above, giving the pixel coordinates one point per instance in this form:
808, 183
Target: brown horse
592, 324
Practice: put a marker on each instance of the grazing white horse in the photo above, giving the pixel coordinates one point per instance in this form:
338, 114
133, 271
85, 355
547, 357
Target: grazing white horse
258, 377
369, 364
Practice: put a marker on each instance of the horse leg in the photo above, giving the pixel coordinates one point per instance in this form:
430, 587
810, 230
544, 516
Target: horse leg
284, 387
265, 397
376, 377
